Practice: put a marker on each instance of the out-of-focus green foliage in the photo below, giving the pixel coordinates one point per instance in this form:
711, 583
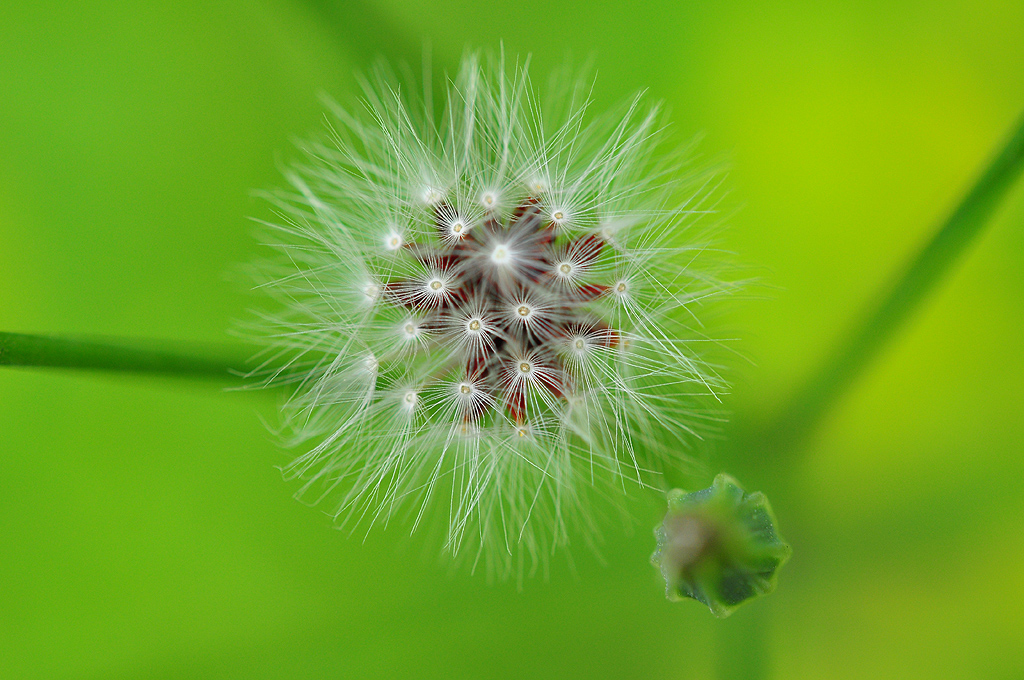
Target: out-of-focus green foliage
146, 531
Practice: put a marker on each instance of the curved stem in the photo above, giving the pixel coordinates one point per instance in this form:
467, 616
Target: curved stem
885, 318
18, 349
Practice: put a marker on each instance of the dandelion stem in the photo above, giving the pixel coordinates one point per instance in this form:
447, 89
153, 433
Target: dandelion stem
17, 349
743, 645
885, 318
365, 32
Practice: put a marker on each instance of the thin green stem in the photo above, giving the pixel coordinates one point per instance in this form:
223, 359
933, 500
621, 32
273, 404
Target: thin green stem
222, 364
366, 33
882, 321
743, 644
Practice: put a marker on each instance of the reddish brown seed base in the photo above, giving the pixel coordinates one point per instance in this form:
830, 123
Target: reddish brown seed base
511, 339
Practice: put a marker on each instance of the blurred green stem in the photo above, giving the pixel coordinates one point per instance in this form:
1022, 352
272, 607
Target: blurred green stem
742, 649
17, 349
881, 322
366, 32
743, 645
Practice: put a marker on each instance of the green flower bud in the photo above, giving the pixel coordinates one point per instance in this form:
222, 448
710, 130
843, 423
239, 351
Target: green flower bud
719, 546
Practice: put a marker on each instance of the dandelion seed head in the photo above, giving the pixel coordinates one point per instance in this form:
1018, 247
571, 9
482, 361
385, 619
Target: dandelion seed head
460, 309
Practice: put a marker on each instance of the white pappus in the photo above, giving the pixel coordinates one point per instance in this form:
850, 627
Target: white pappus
487, 315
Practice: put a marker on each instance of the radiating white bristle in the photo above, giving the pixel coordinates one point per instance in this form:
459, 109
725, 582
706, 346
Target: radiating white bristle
492, 311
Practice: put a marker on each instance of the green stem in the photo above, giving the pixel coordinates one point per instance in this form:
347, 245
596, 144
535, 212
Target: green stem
17, 349
366, 33
886, 317
743, 644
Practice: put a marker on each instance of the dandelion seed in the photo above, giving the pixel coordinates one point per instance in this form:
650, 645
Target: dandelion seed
491, 315
393, 241
431, 196
559, 217
371, 291
490, 200
538, 186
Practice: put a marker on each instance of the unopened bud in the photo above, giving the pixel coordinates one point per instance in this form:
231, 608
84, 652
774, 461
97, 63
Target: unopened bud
719, 546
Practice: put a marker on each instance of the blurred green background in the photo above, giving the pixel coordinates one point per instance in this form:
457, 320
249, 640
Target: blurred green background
145, 530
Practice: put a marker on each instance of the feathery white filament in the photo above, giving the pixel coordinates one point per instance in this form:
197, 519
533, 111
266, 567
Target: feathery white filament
492, 310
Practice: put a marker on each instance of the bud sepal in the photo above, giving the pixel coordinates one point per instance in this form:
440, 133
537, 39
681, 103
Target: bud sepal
719, 546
